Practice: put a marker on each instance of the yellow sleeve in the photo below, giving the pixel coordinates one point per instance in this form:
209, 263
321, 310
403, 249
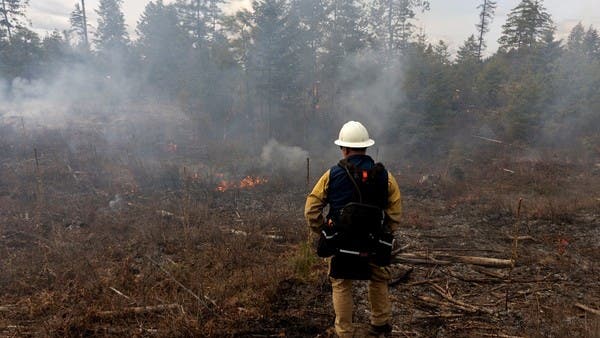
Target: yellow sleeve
315, 202
394, 209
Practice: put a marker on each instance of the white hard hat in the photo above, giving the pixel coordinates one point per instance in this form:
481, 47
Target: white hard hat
354, 135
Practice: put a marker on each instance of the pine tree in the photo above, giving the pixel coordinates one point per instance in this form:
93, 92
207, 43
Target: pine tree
591, 43
392, 21
526, 25
111, 34
485, 19
202, 19
12, 14
273, 64
575, 38
78, 23
469, 51
162, 45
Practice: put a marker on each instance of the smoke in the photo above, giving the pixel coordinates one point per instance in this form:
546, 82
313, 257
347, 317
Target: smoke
83, 99
279, 156
56, 101
374, 89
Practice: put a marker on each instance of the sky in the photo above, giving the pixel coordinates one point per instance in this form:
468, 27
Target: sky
451, 21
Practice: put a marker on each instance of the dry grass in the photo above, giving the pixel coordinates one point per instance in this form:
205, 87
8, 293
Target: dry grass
238, 263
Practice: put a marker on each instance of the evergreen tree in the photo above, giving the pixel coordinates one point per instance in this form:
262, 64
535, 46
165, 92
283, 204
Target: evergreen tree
111, 35
392, 21
23, 56
469, 51
591, 43
485, 19
78, 23
214, 17
274, 65
526, 25
162, 47
12, 14
467, 66
55, 53
202, 19
575, 38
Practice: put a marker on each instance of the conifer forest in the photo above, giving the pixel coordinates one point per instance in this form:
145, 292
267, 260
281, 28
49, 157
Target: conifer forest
153, 178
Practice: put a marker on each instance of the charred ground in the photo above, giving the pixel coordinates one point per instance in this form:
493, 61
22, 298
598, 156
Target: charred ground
110, 243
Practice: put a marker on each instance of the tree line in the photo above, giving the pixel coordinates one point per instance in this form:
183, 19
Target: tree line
286, 66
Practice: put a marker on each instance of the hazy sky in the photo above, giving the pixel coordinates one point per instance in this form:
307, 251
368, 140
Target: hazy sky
452, 21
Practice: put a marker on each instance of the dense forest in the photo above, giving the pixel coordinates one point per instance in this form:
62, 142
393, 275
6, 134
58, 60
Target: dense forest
289, 70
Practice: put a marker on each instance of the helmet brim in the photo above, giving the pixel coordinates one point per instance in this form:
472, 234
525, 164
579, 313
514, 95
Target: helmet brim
364, 144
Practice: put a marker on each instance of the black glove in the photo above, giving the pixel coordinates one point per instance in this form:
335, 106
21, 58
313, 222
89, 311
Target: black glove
327, 245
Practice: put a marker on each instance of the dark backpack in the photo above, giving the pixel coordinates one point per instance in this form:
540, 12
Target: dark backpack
361, 223
365, 214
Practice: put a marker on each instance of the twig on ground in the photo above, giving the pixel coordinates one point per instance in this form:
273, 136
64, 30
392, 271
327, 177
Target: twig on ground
437, 303
439, 315
587, 309
138, 310
119, 293
184, 287
449, 298
6, 308
435, 280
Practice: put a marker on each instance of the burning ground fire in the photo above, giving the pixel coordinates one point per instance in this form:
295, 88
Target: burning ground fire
246, 183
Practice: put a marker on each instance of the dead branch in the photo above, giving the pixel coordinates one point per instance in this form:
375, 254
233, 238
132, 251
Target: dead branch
496, 280
415, 259
488, 139
587, 309
483, 261
438, 303
439, 315
119, 293
184, 287
500, 335
7, 308
490, 273
521, 238
138, 310
449, 298
435, 280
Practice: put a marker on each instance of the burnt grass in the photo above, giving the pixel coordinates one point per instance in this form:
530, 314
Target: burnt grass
173, 256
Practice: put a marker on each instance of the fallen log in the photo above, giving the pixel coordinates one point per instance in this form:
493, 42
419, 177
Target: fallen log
137, 310
418, 259
587, 309
483, 261
445, 259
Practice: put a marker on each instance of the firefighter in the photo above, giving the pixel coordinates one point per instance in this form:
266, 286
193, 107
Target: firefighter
356, 234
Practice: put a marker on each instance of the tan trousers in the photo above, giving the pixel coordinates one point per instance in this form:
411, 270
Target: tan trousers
381, 307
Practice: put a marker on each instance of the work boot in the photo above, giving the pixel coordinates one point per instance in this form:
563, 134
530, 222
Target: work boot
378, 330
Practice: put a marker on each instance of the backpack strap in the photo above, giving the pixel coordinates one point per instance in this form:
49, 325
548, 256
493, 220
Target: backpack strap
347, 166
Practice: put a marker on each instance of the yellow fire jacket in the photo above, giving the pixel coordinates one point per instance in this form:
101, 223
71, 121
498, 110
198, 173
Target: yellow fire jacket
315, 203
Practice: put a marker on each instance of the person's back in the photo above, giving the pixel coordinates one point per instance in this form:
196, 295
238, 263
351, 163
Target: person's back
364, 209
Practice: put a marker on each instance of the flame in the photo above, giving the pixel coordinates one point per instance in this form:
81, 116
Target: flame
250, 182
245, 183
